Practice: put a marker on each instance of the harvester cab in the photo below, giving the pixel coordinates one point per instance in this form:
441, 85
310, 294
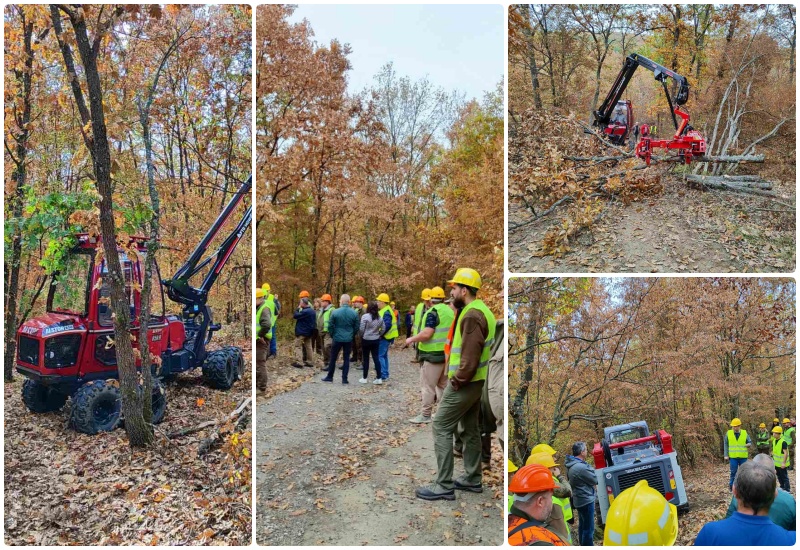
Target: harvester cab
69, 352
629, 453
688, 142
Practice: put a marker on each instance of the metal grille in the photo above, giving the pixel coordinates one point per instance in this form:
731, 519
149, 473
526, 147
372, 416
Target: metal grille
654, 477
28, 350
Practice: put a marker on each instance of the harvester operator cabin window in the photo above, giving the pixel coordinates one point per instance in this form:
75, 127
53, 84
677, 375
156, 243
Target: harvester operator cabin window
157, 307
104, 303
627, 435
71, 283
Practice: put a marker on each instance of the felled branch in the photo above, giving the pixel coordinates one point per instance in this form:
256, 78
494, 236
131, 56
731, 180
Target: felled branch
243, 406
751, 187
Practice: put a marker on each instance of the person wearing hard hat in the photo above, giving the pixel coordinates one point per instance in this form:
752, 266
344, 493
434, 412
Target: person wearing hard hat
780, 457
584, 491
532, 487
304, 322
788, 435
641, 516
512, 469
544, 448
468, 350
419, 315
736, 443
275, 309
755, 488
783, 511
358, 307
430, 343
776, 422
390, 333
323, 318
762, 439
263, 330
562, 510
409, 321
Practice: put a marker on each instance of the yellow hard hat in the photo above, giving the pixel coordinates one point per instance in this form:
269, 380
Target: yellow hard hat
777, 430
511, 467
426, 294
260, 293
543, 448
736, 422
545, 459
466, 276
775, 420
266, 287
787, 421
392, 304
437, 292
383, 297
762, 425
641, 516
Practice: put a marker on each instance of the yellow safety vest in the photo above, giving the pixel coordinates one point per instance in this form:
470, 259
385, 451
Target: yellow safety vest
455, 346
270, 302
326, 316
777, 453
564, 503
392, 332
439, 338
257, 327
419, 314
737, 447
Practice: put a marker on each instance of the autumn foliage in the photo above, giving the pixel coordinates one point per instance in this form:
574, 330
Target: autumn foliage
385, 190
686, 355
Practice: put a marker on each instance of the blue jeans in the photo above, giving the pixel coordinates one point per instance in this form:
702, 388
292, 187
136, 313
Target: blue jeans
383, 356
735, 463
273, 343
586, 525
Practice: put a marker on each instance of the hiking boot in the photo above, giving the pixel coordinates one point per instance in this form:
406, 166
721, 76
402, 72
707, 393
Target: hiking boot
435, 491
419, 419
297, 365
462, 485
377, 381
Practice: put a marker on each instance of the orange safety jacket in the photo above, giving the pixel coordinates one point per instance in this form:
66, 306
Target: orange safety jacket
524, 532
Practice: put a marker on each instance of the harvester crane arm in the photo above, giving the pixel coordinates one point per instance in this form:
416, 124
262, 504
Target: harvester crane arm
602, 116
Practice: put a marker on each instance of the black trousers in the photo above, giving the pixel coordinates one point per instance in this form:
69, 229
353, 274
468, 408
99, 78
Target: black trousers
370, 347
783, 479
336, 347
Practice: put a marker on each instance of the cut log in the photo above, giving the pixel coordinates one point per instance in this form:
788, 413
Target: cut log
732, 182
730, 158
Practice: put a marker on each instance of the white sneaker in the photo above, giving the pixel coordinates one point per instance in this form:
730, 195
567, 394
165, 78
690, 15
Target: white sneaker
420, 419
377, 381
363, 381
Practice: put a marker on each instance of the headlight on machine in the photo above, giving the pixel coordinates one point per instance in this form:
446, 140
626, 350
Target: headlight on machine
61, 351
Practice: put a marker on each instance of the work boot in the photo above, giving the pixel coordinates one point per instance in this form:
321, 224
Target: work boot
462, 485
457, 453
434, 491
326, 379
297, 365
420, 419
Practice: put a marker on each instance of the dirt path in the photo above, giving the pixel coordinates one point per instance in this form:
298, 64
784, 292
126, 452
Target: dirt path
339, 464
67, 488
682, 230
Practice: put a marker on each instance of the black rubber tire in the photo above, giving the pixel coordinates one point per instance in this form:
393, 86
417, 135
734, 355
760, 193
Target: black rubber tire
238, 360
159, 397
219, 370
96, 407
38, 398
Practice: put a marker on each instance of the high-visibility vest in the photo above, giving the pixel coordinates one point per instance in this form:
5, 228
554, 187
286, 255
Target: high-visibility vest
564, 503
777, 453
392, 332
788, 435
439, 338
257, 326
326, 317
270, 302
455, 344
762, 438
737, 447
530, 534
419, 315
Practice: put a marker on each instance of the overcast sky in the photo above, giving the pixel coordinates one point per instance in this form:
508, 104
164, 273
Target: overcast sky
459, 47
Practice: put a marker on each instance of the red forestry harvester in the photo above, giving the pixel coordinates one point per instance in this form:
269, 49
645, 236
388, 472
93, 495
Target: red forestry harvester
615, 116
69, 351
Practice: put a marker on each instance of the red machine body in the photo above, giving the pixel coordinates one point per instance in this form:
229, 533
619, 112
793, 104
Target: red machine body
689, 143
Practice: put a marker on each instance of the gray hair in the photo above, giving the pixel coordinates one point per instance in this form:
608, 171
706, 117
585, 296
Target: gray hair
344, 300
304, 301
764, 461
578, 448
755, 486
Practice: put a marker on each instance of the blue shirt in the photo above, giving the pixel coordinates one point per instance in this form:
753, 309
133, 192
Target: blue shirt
782, 512
744, 530
306, 319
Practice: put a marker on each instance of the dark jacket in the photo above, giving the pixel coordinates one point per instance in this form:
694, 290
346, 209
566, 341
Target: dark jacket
306, 321
343, 324
581, 477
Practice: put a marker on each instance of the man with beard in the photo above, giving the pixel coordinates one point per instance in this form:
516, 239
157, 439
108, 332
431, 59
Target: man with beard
468, 351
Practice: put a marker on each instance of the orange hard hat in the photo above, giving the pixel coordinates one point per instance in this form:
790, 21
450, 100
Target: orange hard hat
304, 294
532, 478
358, 299
327, 297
